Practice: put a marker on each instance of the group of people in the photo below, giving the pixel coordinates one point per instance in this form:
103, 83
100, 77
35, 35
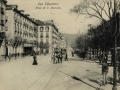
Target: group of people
57, 57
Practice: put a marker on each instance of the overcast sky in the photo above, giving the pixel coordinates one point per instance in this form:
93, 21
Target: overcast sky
66, 22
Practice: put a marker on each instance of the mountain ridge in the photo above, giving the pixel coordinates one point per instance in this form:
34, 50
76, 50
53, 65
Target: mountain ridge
70, 38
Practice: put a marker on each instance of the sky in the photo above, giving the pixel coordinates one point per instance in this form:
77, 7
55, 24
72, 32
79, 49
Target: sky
66, 22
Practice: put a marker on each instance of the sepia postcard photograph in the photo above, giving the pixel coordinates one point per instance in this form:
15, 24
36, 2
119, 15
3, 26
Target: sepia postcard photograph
59, 44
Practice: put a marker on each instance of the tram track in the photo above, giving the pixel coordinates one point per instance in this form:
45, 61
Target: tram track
42, 79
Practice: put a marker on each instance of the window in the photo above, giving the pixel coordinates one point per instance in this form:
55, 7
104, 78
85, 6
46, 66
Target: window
2, 10
41, 40
2, 23
47, 40
47, 29
47, 35
41, 29
41, 35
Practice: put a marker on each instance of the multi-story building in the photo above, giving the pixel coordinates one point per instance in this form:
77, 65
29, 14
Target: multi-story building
3, 28
22, 30
48, 33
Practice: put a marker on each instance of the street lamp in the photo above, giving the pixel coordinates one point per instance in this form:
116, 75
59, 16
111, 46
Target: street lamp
115, 49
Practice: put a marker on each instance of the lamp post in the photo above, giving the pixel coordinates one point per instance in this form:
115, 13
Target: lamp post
115, 49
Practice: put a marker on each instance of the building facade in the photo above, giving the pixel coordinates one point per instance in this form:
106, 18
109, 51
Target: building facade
3, 28
22, 31
48, 36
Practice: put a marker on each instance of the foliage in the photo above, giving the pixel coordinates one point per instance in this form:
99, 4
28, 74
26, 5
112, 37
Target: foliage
46, 45
102, 35
95, 8
81, 43
41, 44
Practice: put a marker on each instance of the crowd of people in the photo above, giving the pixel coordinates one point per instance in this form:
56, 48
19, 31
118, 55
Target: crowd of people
58, 57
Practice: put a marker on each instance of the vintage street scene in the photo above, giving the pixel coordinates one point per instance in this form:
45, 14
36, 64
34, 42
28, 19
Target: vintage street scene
59, 44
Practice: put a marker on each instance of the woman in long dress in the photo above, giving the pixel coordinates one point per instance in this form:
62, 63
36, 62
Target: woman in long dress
34, 59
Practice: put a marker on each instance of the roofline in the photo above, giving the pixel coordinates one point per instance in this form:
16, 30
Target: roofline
24, 15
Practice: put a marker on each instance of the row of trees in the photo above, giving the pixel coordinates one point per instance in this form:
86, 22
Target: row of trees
101, 36
17, 41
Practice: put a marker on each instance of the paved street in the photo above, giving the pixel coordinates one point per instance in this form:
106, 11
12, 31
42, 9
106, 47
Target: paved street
74, 74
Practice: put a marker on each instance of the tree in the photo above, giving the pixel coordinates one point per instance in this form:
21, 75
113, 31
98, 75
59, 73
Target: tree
99, 9
81, 43
95, 8
41, 44
41, 47
73, 46
46, 45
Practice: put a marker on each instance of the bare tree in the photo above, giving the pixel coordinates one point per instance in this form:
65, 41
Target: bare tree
95, 8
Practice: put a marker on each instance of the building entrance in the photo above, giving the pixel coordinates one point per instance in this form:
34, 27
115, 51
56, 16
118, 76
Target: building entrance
28, 50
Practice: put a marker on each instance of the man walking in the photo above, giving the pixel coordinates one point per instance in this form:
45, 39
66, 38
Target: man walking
6, 54
66, 57
104, 72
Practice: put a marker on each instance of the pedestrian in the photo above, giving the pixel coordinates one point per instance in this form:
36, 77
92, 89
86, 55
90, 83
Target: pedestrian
83, 55
106, 57
7, 56
104, 72
34, 58
88, 55
58, 57
66, 57
72, 54
119, 71
100, 58
61, 57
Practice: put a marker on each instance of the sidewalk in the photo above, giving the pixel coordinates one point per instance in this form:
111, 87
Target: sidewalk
97, 79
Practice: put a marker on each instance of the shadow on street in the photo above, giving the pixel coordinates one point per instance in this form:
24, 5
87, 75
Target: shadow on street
78, 79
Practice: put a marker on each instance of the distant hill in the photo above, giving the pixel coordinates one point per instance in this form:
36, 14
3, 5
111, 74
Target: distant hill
70, 38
